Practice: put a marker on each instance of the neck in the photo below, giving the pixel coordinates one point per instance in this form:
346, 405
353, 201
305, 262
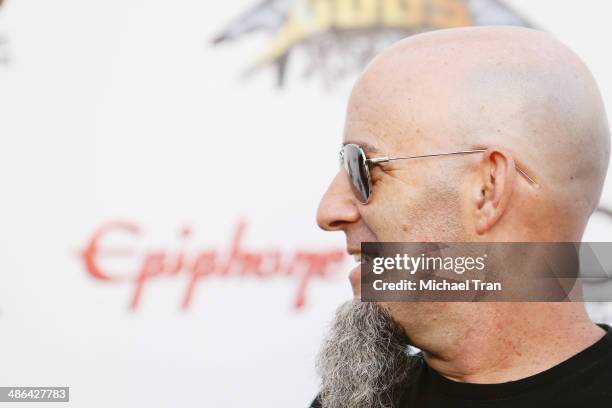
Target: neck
509, 341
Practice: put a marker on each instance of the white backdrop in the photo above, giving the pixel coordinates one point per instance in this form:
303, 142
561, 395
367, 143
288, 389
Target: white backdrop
122, 111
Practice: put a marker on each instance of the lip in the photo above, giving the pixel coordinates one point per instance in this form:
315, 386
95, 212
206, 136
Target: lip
355, 275
353, 251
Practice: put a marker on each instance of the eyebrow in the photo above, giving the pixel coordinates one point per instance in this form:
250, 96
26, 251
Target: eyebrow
367, 148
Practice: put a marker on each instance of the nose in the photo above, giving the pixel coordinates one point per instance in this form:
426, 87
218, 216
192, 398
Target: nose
337, 207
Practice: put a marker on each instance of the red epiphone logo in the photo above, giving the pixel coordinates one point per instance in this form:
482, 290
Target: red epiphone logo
195, 266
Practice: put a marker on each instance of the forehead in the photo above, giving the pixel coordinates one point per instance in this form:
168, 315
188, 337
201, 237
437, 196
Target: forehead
402, 99
374, 123
392, 116
367, 123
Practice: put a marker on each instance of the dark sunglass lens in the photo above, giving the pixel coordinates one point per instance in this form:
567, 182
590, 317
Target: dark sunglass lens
354, 162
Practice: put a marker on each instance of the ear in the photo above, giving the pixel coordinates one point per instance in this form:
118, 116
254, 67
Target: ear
493, 187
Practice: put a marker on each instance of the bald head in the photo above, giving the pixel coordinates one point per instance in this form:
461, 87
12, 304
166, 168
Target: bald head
531, 113
516, 88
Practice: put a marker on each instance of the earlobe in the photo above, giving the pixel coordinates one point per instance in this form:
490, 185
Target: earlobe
494, 188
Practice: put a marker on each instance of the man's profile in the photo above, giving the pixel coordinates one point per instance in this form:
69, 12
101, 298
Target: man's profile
532, 111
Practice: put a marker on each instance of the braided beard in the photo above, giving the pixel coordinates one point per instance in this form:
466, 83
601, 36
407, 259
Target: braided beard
364, 361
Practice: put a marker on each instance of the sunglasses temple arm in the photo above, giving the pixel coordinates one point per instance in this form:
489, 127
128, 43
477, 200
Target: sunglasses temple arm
378, 160
529, 179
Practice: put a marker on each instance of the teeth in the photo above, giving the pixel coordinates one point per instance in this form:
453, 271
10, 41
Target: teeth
357, 258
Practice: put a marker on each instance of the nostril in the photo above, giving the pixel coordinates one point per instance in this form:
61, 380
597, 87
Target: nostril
336, 224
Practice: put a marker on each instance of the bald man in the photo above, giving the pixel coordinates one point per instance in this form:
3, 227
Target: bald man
531, 112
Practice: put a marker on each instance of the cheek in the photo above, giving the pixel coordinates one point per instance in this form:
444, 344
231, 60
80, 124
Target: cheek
407, 215
393, 219
379, 220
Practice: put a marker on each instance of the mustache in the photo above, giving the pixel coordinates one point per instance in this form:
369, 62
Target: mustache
364, 361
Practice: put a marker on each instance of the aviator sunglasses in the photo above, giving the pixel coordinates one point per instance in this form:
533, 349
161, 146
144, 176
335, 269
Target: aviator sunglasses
357, 165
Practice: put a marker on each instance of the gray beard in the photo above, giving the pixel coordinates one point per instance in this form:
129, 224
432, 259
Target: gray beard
364, 361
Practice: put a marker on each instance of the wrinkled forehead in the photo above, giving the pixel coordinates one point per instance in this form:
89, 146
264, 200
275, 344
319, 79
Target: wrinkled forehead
400, 107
